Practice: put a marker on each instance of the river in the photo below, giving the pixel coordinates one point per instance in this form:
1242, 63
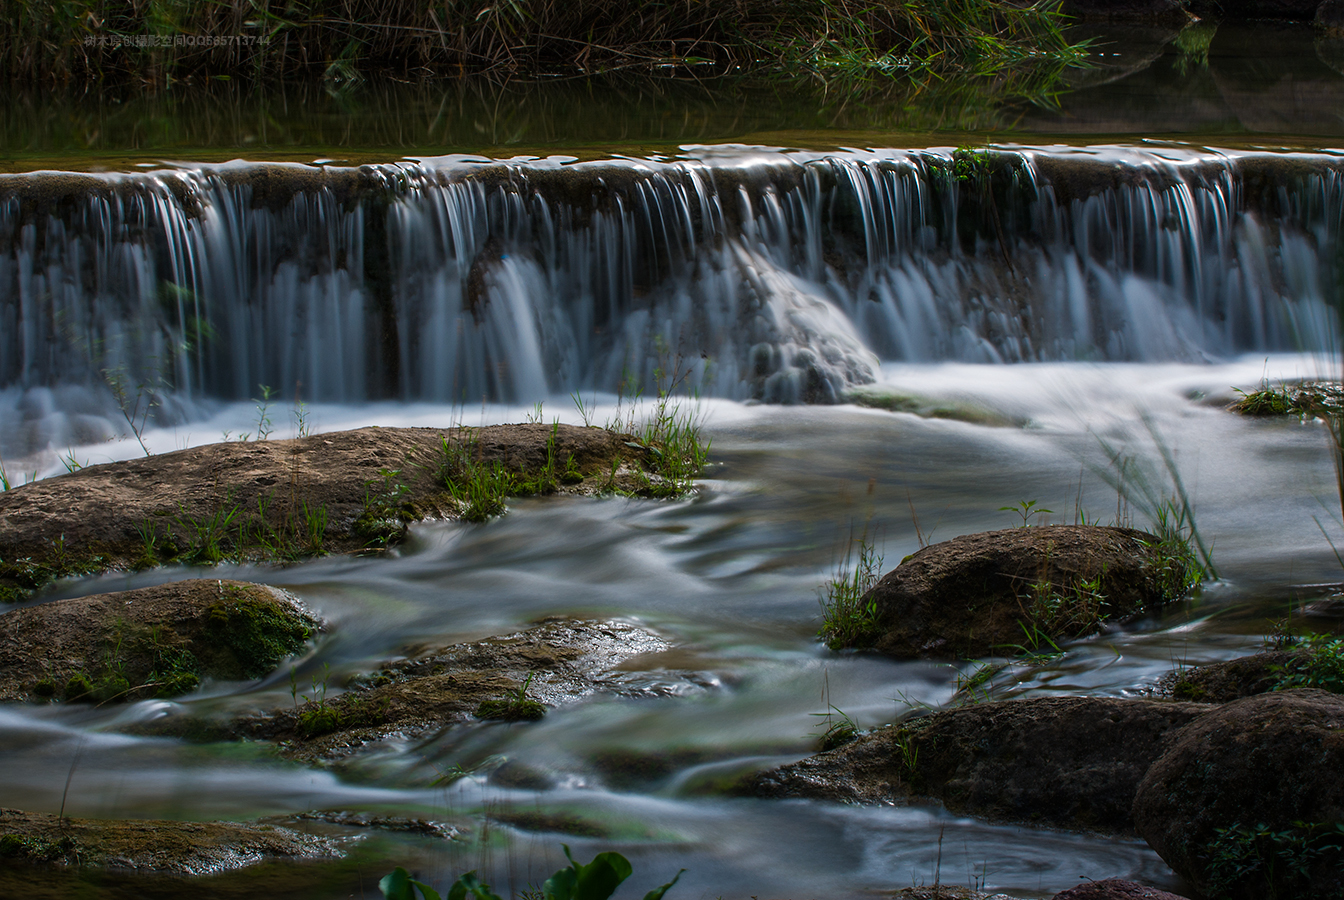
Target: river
1042, 308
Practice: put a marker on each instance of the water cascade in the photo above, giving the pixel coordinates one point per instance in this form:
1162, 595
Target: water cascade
780, 276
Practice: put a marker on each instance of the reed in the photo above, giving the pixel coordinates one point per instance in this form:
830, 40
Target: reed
61, 40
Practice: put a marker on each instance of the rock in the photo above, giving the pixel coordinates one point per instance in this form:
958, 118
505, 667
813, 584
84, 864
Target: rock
1115, 889
556, 661
947, 892
958, 409
149, 642
1330, 17
285, 499
185, 848
1232, 679
1067, 761
1019, 589
1247, 801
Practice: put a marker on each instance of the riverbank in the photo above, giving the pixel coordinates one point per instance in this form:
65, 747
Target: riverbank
345, 41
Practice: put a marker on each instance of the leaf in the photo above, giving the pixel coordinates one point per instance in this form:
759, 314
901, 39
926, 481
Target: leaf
599, 879
559, 886
467, 884
657, 893
396, 885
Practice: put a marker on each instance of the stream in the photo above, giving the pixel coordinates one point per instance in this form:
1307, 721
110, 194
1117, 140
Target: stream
1039, 344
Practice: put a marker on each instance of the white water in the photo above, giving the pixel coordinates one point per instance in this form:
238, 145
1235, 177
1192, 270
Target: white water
755, 273
730, 576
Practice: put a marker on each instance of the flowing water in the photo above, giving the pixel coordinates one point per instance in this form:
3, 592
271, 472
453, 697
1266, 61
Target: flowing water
1044, 304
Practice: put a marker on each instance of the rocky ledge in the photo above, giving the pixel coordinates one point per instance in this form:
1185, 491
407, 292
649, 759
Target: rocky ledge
150, 845
286, 499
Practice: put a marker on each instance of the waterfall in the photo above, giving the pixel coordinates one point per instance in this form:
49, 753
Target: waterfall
781, 276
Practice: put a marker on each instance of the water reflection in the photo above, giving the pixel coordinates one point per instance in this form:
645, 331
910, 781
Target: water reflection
1257, 79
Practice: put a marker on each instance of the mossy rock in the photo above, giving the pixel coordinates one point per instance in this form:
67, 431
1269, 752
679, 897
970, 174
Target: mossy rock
514, 677
286, 499
1073, 762
1247, 802
1019, 590
149, 642
147, 845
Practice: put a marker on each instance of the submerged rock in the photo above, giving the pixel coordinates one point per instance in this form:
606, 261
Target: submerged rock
1074, 762
150, 642
557, 661
1019, 589
1248, 801
157, 845
962, 410
286, 499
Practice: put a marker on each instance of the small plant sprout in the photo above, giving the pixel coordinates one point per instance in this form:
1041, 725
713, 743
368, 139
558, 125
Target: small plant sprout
515, 706
264, 412
586, 411
135, 412
71, 464
302, 427
1027, 509
840, 728
534, 416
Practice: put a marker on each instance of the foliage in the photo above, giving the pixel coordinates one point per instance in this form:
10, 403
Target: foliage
1320, 665
840, 728
50, 40
320, 717
515, 706
1026, 509
1264, 401
1181, 556
382, 521
596, 880
849, 618
479, 488
1278, 864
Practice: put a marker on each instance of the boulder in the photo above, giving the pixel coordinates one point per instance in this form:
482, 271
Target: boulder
1019, 589
148, 845
279, 500
1223, 682
1074, 762
1248, 801
1115, 889
150, 642
1330, 17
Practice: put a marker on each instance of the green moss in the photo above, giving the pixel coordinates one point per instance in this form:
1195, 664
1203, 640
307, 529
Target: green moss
511, 710
320, 719
111, 687
561, 821
78, 687
17, 846
251, 636
1188, 690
